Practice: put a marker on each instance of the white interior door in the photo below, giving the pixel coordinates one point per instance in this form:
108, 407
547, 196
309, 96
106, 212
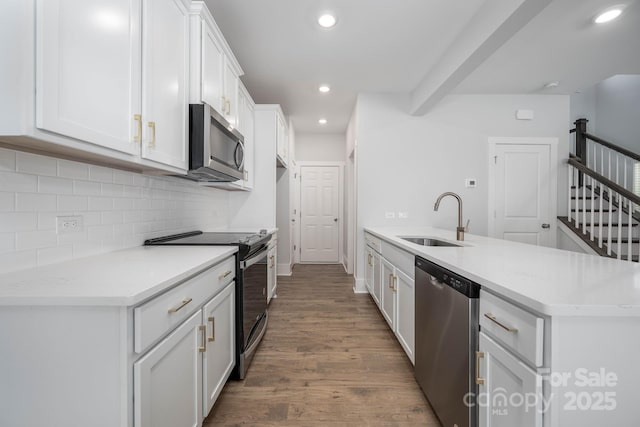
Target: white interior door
320, 214
524, 192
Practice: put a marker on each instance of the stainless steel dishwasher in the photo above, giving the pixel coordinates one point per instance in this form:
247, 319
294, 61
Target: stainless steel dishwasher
446, 333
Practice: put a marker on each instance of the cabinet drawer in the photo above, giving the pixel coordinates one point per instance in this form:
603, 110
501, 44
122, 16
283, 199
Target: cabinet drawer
156, 317
520, 331
402, 260
372, 241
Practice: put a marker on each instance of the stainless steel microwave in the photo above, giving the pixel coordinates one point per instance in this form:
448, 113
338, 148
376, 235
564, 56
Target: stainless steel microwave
216, 149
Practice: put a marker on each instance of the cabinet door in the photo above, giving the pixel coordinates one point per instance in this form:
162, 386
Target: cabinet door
168, 379
280, 137
219, 357
405, 309
377, 278
368, 269
212, 69
388, 295
165, 81
88, 70
230, 94
507, 381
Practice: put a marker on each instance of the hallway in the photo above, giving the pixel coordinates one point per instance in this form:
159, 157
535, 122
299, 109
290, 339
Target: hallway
328, 358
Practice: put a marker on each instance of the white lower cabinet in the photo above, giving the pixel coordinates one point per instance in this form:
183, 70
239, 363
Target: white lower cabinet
167, 380
178, 381
392, 289
388, 293
219, 357
508, 388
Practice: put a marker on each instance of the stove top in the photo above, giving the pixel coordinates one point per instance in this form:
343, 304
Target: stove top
247, 243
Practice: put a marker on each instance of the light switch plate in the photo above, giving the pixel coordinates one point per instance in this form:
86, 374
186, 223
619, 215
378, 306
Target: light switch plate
389, 215
403, 215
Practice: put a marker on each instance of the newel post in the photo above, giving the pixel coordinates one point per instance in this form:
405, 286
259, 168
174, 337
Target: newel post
581, 140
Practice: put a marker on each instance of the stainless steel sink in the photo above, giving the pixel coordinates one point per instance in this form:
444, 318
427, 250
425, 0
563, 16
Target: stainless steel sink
428, 241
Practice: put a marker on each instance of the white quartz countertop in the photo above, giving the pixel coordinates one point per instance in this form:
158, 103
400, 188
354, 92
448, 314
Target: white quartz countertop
121, 278
550, 281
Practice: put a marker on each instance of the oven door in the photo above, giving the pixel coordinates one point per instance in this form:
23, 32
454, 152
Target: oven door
254, 295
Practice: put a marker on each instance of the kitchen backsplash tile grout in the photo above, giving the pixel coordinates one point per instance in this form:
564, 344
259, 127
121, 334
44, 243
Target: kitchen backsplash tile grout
119, 209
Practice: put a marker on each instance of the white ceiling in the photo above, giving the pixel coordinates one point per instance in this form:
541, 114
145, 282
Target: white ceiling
390, 46
562, 44
377, 45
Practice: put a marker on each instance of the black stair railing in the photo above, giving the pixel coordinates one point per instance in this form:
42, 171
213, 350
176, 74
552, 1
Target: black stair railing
602, 201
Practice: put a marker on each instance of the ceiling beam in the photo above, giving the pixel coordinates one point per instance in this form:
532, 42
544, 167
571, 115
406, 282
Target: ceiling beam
494, 23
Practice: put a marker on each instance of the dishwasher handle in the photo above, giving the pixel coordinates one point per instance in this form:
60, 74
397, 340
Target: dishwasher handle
436, 283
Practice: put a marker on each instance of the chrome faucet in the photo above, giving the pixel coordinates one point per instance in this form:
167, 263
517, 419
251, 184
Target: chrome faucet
460, 229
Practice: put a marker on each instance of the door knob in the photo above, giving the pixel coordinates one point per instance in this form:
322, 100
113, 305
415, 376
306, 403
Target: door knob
335, 219
545, 226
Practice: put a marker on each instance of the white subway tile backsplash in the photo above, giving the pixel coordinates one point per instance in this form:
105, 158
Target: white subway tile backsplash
120, 177
73, 203
55, 254
73, 170
100, 174
37, 165
10, 181
35, 202
7, 160
7, 242
87, 188
113, 217
51, 185
119, 209
100, 203
18, 221
35, 239
19, 260
7, 202
112, 190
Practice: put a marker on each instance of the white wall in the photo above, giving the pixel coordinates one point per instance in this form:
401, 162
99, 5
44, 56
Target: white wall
618, 111
404, 162
320, 147
119, 209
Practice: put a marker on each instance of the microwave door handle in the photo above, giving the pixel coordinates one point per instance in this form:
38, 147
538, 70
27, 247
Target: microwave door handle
239, 163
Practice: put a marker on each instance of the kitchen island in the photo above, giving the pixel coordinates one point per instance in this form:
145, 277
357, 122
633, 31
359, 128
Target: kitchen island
563, 349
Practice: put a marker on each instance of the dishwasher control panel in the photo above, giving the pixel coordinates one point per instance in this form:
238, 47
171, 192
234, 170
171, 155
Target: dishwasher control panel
449, 278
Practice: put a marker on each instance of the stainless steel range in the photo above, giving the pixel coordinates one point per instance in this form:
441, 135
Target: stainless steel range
251, 285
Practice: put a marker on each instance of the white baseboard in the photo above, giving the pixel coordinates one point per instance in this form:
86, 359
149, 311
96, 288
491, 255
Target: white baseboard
284, 270
359, 287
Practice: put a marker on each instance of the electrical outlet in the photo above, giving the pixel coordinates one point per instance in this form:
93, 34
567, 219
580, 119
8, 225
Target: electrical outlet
389, 215
69, 224
403, 215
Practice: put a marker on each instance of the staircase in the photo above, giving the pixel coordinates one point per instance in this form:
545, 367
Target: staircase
603, 208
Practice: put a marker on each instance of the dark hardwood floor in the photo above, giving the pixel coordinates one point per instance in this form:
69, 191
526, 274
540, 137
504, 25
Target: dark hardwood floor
328, 358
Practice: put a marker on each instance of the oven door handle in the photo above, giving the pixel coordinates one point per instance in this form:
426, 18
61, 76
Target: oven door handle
254, 259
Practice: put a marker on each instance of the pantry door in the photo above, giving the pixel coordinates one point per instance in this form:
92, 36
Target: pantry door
522, 189
320, 214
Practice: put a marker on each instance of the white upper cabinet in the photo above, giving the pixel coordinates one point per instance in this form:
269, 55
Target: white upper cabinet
246, 123
110, 80
165, 61
282, 142
88, 70
214, 69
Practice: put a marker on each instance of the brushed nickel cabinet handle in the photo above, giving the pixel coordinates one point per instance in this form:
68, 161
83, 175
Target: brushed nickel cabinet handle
479, 355
213, 329
395, 283
391, 281
203, 329
225, 274
138, 120
502, 325
178, 308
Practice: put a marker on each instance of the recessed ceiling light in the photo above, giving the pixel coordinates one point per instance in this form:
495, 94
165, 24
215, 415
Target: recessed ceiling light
324, 88
327, 20
608, 15
322, 121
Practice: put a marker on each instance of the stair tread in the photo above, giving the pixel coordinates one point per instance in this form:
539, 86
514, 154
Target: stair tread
584, 198
597, 224
595, 210
625, 240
